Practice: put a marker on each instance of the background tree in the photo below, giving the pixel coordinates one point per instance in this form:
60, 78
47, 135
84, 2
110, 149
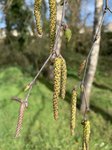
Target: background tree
89, 78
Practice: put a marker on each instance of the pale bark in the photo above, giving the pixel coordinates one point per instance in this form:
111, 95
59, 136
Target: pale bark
59, 17
92, 65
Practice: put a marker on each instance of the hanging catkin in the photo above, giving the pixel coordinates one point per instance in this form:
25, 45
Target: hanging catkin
57, 79
63, 77
37, 9
52, 5
86, 135
20, 119
81, 67
73, 111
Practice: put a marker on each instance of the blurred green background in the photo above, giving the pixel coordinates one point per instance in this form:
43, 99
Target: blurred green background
21, 57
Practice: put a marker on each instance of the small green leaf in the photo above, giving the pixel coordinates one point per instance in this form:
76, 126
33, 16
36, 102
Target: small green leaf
68, 34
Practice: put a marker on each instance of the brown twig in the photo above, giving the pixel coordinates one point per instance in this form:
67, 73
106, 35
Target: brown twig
16, 99
35, 78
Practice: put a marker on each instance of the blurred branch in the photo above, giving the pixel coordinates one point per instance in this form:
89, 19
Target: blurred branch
30, 85
8, 5
95, 39
107, 7
96, 36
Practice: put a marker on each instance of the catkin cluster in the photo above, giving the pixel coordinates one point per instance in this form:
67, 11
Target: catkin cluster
52, 5
20, 118
37, 9
86, 135
60, 77
73, 111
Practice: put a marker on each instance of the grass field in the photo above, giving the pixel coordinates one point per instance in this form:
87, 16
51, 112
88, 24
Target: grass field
40, 131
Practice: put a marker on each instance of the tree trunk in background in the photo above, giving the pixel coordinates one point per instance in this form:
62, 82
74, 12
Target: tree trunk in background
94, 56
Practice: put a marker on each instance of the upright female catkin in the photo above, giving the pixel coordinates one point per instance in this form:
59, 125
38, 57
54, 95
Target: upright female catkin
73, 111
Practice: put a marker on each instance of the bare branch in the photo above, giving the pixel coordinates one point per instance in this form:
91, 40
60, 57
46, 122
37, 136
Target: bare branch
107, 7
35, 78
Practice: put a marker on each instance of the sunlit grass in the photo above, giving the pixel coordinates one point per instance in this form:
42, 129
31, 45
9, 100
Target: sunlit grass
40, 131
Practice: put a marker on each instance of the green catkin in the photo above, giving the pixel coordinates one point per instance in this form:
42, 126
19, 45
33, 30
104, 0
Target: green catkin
86, 135
52, 5
73, 111
57, 80
63, 78
81, 67
37, 9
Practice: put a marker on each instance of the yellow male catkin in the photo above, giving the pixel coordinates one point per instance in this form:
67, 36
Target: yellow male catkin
73, 111
86, 135
20, 119
57, 79
37, 7
63, 78
52, 5
81, 67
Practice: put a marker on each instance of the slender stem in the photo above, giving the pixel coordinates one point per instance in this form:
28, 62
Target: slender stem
41, 69
107, 7
35, 78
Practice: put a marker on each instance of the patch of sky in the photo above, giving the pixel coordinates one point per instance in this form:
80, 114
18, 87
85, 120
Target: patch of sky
87, 12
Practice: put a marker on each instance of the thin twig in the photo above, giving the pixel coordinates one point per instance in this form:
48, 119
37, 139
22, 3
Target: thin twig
107, 7
35, 78
16, 99
109, 10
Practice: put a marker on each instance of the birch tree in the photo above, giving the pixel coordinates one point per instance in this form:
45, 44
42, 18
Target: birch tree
93, 59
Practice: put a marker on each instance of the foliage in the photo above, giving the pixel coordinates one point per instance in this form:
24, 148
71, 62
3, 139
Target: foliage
18, 17
106, 43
